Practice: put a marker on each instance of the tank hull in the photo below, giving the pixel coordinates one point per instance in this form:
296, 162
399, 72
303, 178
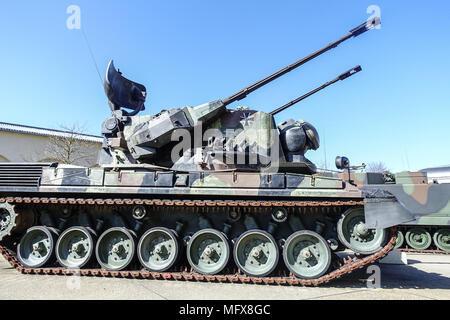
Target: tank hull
267, 208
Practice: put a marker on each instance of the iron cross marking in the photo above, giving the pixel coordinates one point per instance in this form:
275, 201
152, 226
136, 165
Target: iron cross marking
246, 118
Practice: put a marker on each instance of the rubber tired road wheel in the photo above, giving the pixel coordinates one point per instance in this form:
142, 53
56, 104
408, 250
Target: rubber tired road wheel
256, 253
75, 247
208, 251
418, 238
306, 254
400, 240
441, 239
157, 249
115, 248
36, 248
354, 234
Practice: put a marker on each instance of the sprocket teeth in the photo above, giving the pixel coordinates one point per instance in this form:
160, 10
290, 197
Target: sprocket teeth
12, 217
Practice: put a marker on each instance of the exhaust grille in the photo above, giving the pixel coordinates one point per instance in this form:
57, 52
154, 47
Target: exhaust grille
21, 174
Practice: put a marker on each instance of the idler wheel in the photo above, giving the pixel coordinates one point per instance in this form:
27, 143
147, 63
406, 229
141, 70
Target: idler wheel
75, 247
418, 238
441, 239
306, 254
157, 249
256, 253
400, 240
36, 248
208, 251
354, 234
115, 248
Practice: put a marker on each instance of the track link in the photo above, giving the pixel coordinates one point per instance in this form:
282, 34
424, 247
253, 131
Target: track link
432, 251
343, 266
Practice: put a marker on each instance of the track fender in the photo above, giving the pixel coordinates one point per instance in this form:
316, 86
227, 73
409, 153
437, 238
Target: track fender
385, 212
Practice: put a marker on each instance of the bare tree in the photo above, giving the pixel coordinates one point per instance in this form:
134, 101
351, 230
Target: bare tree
377, 167
69, 147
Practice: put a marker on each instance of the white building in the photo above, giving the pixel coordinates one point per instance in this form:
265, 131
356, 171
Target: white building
19, 143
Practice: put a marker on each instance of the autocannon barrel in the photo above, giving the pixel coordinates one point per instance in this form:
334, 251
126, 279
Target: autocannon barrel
370, 24
342, 76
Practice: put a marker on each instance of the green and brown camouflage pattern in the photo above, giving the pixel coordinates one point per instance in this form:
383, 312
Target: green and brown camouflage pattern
142, 181
416, 199
411, 199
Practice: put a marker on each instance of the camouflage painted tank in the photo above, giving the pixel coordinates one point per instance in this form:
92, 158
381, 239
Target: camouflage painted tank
196, 193
422, 202
430, 230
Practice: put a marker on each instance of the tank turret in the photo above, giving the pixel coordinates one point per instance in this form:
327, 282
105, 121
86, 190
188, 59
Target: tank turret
210, 136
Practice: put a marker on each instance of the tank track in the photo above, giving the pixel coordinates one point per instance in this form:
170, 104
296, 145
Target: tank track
436, 251
342, 266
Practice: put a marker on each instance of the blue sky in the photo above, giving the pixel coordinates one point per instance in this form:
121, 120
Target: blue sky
397, 110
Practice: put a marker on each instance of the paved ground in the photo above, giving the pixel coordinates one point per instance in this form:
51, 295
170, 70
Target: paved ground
425, 277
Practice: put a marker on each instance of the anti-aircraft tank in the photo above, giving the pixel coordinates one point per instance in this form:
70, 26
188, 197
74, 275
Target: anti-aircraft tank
196, 193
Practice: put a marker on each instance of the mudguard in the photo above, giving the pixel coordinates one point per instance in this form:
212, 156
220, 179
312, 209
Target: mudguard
393, 204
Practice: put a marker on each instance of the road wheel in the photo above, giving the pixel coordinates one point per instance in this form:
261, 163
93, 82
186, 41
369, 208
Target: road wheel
36, 248
418, 238
75, 247
306, 254
208, 251
354, 234
256, 253
441, 239
158, 249
115, 248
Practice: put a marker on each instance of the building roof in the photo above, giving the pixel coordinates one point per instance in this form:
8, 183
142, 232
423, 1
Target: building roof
10, 127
